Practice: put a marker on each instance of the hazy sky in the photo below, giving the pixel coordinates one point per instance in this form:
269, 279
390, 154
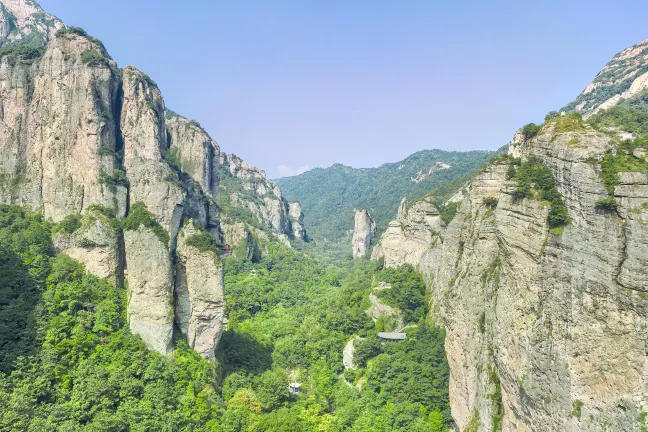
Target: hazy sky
289, 85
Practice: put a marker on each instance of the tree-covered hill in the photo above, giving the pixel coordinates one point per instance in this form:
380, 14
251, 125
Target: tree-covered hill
329, 195
68, 361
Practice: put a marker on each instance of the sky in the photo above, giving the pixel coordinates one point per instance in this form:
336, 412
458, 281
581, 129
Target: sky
292, 85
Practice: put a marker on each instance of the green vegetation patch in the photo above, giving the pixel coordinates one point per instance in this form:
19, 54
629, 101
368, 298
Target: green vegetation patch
81, 32
490, 202
114, 179
94, 58
69, 362
578, 407
448, 212
203, 241
572, 122
140, 216
22, 53
530, 131
608, 204
629, 116
330, 195
105, 214
407, 292
622, 161
69, 224
496, 397
535, 181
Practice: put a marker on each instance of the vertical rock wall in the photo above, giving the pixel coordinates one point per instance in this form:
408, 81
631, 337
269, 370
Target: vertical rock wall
199, 293
363, 233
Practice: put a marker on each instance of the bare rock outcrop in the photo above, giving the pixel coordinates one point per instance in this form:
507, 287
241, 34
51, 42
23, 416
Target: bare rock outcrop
57, 130
407, 239
150, 288
199, 292
296, 219
197, 153
626, 75
151, 180
267, 204
93, 240
363, 233
546, 329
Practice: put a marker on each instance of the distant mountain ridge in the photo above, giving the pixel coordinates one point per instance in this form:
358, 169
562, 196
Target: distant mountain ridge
329, 195
624, 76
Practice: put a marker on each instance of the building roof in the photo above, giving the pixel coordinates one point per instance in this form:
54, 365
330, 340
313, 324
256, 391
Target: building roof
392, 336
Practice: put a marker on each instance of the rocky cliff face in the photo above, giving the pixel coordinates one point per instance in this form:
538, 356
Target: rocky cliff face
363, 232
94, 148
296, 220
626, 75
150, 288
547, 327
25, 21
260, 197
407, 239
199, 292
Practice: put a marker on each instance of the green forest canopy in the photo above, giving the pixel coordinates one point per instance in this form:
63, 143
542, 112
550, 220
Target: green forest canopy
69, 362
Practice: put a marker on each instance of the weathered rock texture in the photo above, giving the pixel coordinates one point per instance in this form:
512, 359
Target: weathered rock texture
198, 154
262, 198
545, 331
624, 76
296, 219
363, 233
199, 294
150, 288
152, 181
78, 136
25, 21
95, 244
409, 237
57, 131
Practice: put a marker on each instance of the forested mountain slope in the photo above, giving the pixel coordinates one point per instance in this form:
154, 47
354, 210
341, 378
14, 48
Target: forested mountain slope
329, 195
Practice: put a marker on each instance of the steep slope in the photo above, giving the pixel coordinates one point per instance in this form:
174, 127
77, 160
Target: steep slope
541, 280
330, 195
94, 148
624, 76
24, 21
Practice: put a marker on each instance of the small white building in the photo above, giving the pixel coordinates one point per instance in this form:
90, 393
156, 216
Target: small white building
294, 388
384, 336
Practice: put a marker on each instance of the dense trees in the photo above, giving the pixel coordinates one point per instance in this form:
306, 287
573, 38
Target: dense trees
69, 362
329, 195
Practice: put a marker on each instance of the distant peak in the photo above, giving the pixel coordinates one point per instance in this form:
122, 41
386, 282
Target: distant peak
26, 20
624, 76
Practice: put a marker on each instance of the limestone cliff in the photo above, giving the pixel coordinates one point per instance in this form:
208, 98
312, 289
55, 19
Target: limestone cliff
199, 292
150, 288
246, 187
296, 220
363, 233
93, 239
196, 151
547, 329
545, 300
93, 147
407, 239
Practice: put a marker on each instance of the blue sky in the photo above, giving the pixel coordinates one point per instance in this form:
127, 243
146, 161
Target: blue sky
289, 85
